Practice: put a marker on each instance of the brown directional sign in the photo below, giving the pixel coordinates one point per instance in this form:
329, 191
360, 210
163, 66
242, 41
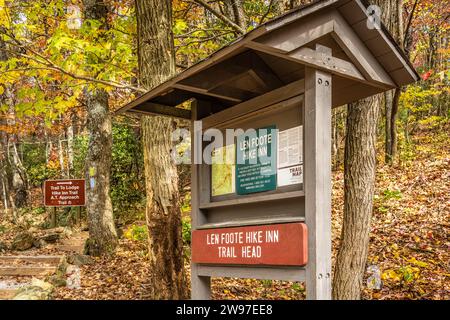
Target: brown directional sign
65, 193
278, 244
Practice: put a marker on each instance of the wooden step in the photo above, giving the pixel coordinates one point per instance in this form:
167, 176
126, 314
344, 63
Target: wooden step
6, 294
32, 259
71, 248
27, 271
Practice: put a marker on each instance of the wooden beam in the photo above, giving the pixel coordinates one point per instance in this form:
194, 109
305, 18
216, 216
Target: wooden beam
236, 92
328, 63
309, 57
357, 51
162, 110
27, 271
317, 180
402, 58
204, 92
246, 65
287, 42
299, 33
263, 74
200, 284
32, 259
284, 93
6, 294
287, 274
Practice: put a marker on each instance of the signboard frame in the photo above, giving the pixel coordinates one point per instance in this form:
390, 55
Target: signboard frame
286, 204
64, 180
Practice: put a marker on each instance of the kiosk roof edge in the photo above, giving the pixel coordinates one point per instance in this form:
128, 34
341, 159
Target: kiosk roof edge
365, 60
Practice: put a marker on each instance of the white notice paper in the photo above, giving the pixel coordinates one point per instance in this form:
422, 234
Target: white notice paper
290, 147
290, 176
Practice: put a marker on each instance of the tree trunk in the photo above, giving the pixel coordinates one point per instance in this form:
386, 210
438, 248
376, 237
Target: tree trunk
163, 214
70, 150
287, 5
102, 231
239, 14
61, 157
359, 179
392, 16
388, 102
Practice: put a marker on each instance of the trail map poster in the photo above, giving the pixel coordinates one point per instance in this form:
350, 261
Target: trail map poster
223, 170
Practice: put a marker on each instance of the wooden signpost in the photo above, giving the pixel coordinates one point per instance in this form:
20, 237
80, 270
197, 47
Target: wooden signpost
266, 212
64, 193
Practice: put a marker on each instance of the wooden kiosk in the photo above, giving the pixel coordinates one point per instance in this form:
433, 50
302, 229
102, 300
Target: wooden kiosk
286, 75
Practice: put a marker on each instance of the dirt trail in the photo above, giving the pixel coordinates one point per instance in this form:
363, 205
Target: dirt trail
17, 271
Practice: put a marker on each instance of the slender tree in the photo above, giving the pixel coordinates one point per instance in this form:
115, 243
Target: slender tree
156, 64
102, 231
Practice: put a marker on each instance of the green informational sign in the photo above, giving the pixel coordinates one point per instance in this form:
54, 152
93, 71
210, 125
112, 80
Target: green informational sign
256, 163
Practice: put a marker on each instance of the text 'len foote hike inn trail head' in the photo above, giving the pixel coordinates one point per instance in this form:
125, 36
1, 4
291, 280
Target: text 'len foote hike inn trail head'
266, 212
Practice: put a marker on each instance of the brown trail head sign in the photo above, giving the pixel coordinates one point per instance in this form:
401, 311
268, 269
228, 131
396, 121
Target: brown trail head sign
65, 193
288, 73
278, 244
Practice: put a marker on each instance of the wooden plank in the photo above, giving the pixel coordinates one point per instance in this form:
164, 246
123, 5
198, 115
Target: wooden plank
291, 90
352, 93
309, 57
263, 273
6, 294
391, 63
251, 222
262, 72
359, 53
226, 52
298, 34
317, 180
200, 285
162, 110
71, 248
284, 244
409, 74
204, 92
301, 12
351, 12
253, 199
363, 31
27, 271
259, 112
32, 259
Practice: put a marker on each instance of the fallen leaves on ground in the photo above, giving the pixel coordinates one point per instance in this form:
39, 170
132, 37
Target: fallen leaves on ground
409, 240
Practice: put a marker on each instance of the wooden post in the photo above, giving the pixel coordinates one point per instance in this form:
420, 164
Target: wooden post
318, 180
53, 218
200, 285
79, 216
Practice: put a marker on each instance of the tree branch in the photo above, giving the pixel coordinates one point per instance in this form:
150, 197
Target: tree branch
50, 65
408, 24
267, 12
219, 15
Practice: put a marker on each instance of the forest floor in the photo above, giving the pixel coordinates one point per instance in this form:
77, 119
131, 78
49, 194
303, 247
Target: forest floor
409, 240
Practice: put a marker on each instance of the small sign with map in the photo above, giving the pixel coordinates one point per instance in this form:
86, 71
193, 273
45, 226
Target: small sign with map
223, 170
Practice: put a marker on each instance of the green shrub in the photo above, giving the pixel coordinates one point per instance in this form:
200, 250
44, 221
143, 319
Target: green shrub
186, 231
136, 233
